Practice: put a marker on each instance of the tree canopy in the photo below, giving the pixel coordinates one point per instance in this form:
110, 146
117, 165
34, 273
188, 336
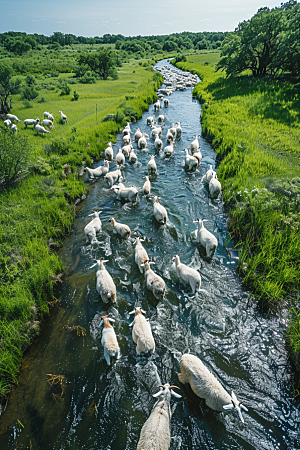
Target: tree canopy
102, 62
7, 87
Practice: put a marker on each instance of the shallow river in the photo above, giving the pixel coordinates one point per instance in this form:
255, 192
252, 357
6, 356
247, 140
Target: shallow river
101, 407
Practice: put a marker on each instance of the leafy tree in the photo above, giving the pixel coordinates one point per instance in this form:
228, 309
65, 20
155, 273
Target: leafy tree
170, 46
14, 155
102, 62
289, 50
7, 88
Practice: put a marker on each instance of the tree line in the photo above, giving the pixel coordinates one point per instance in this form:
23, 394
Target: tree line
266, 44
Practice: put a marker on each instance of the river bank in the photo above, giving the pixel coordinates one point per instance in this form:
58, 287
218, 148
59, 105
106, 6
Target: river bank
253, 125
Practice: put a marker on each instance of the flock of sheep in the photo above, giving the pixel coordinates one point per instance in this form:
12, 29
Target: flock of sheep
155, 433
48, 121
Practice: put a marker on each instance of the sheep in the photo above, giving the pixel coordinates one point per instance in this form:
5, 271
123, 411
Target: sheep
48, 123
141, 333
48, 116
29, 122
126, 130
100, 171
206, 239
156, 131
7, 123
14, 128
150, 120
142, 142
173, 131
209, 174
158, 144
169, 150
170, 136
178, 130
40, 129
108, 152
190, 162
120, 228
109, 339
12, 118
132, 157
105, 285
120, 158
205, 385
112, 177
147, 186
156, 105
93, 227
152, 169
159, 211
126, 149
155, 433
125, 193
140, 255
161, 118
194, 145
154, 282
126, 139
187, 274
138, 134
214, 186
63, 116
166, 103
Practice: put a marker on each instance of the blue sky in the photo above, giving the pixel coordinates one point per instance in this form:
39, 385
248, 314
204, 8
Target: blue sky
127, 17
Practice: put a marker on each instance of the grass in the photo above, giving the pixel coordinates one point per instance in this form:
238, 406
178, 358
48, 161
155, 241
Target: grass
253, 124
37, 212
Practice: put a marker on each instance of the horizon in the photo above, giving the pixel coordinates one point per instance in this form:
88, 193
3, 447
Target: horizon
117, 17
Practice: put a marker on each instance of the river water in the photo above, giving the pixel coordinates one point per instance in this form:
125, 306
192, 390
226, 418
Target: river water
101, 407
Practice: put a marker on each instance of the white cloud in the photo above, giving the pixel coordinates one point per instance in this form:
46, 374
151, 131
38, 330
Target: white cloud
34, 21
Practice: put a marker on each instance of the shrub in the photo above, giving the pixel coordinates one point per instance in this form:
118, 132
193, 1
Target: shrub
75, 96
14, 155
29, 93
65, 90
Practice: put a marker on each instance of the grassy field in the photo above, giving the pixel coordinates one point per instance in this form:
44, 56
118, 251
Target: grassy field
37, 212
253, 124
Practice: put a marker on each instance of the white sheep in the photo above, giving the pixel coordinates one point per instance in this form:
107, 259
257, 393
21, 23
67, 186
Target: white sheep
142, 142
126, 139
109, 339
154, 282
29, 122
187, 274
63, 116
158, 144
178, 130
46, 114
205, 385
166, 103
198, 155
170, 136
7, 123
126, 129
147, 186
140, 254
152, 169
125, 193
93, 227
49, 116
132, 157
156, 105
100, 171
169, 150
161, 118
159, 211
150, 120
209, 174
214, 186
141, 333
40, 129
156, 131
155, 433
194, 145
120, 158
206, 239
108, 152
12, 118
126, 149
190, 162
138, 134
112, 177
120, 228
105, 285
14, 128
48, 123
173, 131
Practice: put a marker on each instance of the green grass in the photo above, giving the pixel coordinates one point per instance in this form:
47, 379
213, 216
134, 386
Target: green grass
253, 124
37, 212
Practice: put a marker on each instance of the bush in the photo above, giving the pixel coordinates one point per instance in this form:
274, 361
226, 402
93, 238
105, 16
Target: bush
27, 104
29, 93
87, 78
14, 156
65, 90
41, 100
59, 146
75, 96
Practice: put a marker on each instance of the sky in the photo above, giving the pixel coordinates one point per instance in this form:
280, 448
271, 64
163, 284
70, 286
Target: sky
127, 17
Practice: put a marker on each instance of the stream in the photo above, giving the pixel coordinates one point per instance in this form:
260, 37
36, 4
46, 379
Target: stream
94, 406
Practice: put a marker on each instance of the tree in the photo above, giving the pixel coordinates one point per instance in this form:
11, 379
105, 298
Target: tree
7, 88
254, 44
102, 62
14, 155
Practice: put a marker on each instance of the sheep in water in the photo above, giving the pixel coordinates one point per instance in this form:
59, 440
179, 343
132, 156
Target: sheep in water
120, 158
209, 174
166, 103
109, 339
159, 211
150, 120
100, 171
206, 386
93, 227
105, 285
132, 157
214, 187
152, 166
154, 282
147, 186
169, 150
158, 143
112, 177
156, 106
108, 152
125, 193
141, 333
155, 433
140, 254
120, 228
187, 274
190, 163
138, 134
142, 142
206, 238
194, 145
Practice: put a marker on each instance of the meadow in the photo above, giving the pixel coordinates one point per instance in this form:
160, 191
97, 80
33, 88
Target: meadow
253, 124
38, 210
